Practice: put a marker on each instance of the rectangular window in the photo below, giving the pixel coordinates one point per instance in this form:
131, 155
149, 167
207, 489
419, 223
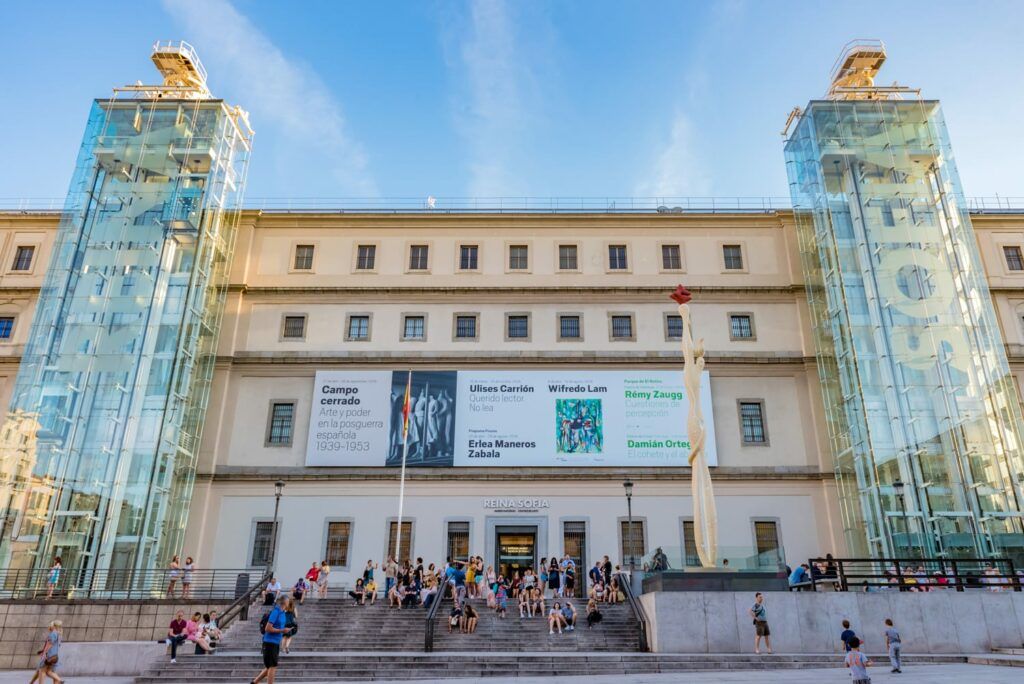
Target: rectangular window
574, 545
691, 558
1014, 259
674, 327
294, 327
568, 257
465, 327
415, 328
458, 540
468, 257
632, 543
366, 257
569, 327
518, 257
303, 257
338, 535
262, 544
6, 327
282, 420
358, 327
617, 258
518, 327
622, 327
740, 327
418, 256
733, 255
406, 539
766, 536
24, 253
752, 422
671, 258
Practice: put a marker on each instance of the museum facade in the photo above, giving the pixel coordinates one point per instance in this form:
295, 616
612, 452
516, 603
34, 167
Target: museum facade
553, 309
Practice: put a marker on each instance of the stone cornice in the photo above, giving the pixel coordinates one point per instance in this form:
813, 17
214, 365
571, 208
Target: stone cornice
246, 474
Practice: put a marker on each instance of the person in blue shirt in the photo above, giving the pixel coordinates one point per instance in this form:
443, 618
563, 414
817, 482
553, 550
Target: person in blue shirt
799, 575
273, 632
847, 635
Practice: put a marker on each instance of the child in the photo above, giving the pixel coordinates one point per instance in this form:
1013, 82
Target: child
858, 663
454, 618
893, 643
847, 635
502, 600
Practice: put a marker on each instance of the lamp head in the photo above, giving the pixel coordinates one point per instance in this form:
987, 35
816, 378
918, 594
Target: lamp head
628, 486
897, 487
278, 487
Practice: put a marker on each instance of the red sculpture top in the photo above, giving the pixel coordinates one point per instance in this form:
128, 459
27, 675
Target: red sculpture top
681, 295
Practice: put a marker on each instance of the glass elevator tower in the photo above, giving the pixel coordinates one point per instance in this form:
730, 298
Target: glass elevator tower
924, 419
98, 449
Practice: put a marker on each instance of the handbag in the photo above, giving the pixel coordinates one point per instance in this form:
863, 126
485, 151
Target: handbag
50, 661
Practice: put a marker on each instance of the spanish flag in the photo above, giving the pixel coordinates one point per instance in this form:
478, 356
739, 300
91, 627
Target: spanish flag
405, 406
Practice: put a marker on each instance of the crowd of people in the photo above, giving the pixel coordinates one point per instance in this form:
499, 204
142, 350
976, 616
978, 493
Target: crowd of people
911, 577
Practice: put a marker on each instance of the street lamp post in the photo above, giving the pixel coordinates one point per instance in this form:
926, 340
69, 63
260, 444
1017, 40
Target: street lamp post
278, 490
628, 486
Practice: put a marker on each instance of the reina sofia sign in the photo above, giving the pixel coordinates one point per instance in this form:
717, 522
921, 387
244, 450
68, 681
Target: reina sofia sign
516, 504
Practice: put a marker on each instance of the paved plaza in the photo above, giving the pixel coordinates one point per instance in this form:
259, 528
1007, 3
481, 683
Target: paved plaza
924, 674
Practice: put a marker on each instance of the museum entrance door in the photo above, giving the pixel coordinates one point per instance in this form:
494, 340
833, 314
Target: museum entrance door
515, 549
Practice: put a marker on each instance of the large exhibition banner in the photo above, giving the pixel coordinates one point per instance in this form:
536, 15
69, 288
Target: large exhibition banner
504, 418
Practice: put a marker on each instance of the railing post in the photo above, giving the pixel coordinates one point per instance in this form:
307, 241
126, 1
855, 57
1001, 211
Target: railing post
1014, 580
899, 575
842, 576
956, 576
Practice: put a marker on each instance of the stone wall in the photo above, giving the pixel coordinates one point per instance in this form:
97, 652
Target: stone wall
23, 623
805, 622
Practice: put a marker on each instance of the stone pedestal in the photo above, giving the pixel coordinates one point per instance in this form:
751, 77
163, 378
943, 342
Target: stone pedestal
715, 580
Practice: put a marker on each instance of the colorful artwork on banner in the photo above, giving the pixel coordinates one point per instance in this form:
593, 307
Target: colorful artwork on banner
503, 418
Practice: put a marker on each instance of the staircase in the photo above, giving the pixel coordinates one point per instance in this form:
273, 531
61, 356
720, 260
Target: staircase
314, 667
335, 624
617, 632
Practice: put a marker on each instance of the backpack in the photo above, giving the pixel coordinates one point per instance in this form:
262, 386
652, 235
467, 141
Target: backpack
263, 623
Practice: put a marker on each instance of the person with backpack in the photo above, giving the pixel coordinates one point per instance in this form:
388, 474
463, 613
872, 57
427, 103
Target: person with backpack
761, 631
858, 663
272, 626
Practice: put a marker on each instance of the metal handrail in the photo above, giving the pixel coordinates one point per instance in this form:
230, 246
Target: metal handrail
435, 605
127, 584
960, 573
240, 607
638, 610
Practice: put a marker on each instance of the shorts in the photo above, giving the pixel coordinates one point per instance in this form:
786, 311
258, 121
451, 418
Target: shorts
761, 628
271, 652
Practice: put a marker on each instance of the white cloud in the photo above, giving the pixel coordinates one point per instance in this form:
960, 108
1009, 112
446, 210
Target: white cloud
281, 93
494, 117
677, 170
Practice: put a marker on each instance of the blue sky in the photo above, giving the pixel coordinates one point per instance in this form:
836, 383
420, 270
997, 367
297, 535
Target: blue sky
492, 98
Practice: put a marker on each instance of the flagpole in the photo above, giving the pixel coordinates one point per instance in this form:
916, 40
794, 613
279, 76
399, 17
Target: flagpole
405, 451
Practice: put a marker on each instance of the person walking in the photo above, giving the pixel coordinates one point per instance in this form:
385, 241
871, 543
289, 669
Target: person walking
846, 635
273, 634
54, 577
50, 654
893, 642
761, 631
858, 663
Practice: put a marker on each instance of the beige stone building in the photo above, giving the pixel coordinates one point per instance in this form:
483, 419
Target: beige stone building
512, 292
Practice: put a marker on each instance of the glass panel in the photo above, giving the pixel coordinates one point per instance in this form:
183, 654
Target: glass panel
690, 556
359, 327
107, 412
468, 257
740, 327
303, 257
766, 537
518, 257
617, 257
671, 259
262, 544
674, 325
418, 257
753, 422
414, 328
912, 365
393, 539
574, 543
6, 327
1014, 260
294, 327
23, 259
733, 255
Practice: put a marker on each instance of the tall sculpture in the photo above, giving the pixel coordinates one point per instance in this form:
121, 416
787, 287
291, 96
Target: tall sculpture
705, 516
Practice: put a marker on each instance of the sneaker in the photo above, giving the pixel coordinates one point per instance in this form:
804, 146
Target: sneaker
174, 660
550, 631
894, 670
